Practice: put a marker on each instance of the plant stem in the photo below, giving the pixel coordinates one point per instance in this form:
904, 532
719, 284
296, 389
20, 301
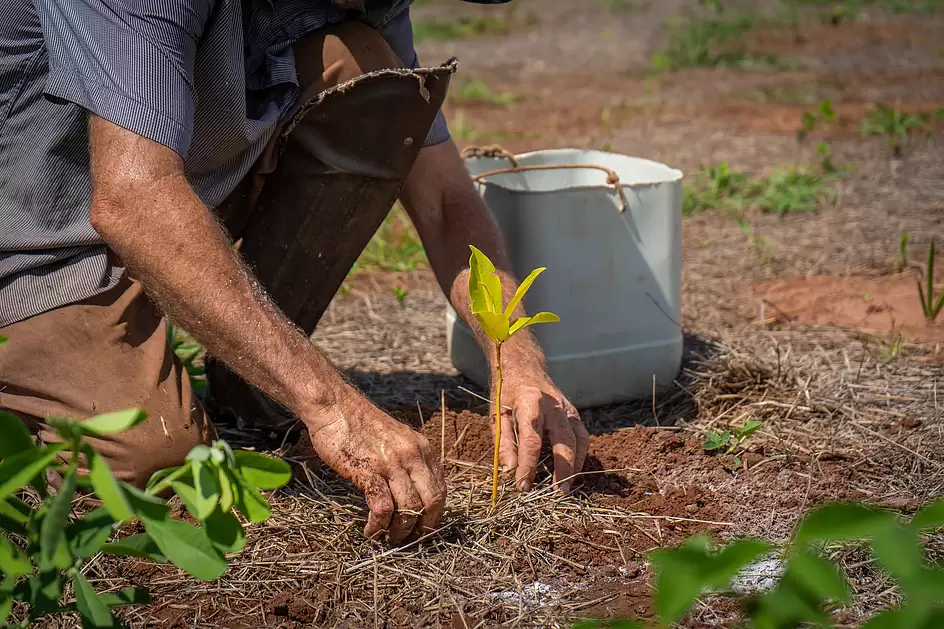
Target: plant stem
498, 387
165, 483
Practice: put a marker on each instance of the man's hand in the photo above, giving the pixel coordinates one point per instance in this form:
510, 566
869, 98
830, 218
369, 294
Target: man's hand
450, 215
392, 464
532, 407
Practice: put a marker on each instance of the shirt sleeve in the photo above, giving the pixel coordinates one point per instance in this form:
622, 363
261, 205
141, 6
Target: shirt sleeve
128, 61
398, 31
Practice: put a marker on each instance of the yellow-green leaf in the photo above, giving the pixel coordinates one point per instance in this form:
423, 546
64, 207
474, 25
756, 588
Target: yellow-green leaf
494, 324
522, 290
541, 317
485, 291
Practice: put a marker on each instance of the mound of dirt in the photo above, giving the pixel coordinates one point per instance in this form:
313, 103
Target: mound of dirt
659, 472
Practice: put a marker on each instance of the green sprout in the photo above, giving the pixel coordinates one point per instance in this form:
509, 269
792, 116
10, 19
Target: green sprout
485, 295
400, 293
894, 124
903, 250
931, 304
824, 112
731, 440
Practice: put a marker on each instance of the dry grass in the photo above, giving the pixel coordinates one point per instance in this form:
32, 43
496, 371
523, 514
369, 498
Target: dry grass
310, 563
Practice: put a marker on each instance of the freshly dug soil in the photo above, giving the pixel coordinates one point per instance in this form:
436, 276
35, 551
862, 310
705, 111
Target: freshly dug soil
665, 488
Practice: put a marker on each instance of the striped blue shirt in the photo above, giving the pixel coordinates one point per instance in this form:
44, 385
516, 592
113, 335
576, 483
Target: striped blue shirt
209, 79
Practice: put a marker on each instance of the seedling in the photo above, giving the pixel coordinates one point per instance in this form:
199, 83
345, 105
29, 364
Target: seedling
400, 293
730, 440
823, 112
891, 350
893, 124
43, 549
903, 251
485, 295
762, 246
931, 304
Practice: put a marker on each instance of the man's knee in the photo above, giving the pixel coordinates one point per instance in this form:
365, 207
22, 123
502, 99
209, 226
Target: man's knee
342, 52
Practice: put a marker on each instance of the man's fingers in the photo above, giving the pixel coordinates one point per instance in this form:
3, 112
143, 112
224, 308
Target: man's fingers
582, 435
530, 429
381, 505
564, 447
408, 508
431, 486
507, 452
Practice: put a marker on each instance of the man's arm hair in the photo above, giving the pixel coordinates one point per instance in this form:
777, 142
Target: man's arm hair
148, 214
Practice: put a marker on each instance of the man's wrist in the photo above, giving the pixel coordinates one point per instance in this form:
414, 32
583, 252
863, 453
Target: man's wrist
522, 357
316, 390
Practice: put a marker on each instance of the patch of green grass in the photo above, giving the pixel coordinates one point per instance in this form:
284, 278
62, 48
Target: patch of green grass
699, 41
461, 128
476, 91
786, 190
461, 28
897, 125
395, 246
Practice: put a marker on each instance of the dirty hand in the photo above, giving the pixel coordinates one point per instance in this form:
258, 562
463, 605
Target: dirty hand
391, 463
532, 406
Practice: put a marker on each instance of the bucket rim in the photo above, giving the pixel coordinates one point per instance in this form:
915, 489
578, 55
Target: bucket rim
673, 175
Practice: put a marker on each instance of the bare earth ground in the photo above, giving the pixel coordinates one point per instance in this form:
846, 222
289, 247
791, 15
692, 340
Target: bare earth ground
849, 411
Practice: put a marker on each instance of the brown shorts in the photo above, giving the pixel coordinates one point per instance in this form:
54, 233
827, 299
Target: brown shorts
110, 352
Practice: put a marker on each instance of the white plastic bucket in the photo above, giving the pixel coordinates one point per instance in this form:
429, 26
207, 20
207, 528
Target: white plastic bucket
614, 274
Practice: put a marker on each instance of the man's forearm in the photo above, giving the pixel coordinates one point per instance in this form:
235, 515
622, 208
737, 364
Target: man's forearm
450, 215
173, 245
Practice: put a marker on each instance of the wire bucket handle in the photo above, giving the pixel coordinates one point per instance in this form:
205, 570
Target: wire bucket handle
612, 179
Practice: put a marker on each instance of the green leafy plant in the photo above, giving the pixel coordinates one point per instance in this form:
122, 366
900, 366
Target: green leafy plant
824, 112
499, 324
711, 41
730, 441
190, 354
810, 585
903, 250
785, 190
931, 304
476, 91
43, 548
400, 293
790, 190
894, 124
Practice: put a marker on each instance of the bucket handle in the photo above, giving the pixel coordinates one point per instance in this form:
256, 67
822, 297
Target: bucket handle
612, 179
